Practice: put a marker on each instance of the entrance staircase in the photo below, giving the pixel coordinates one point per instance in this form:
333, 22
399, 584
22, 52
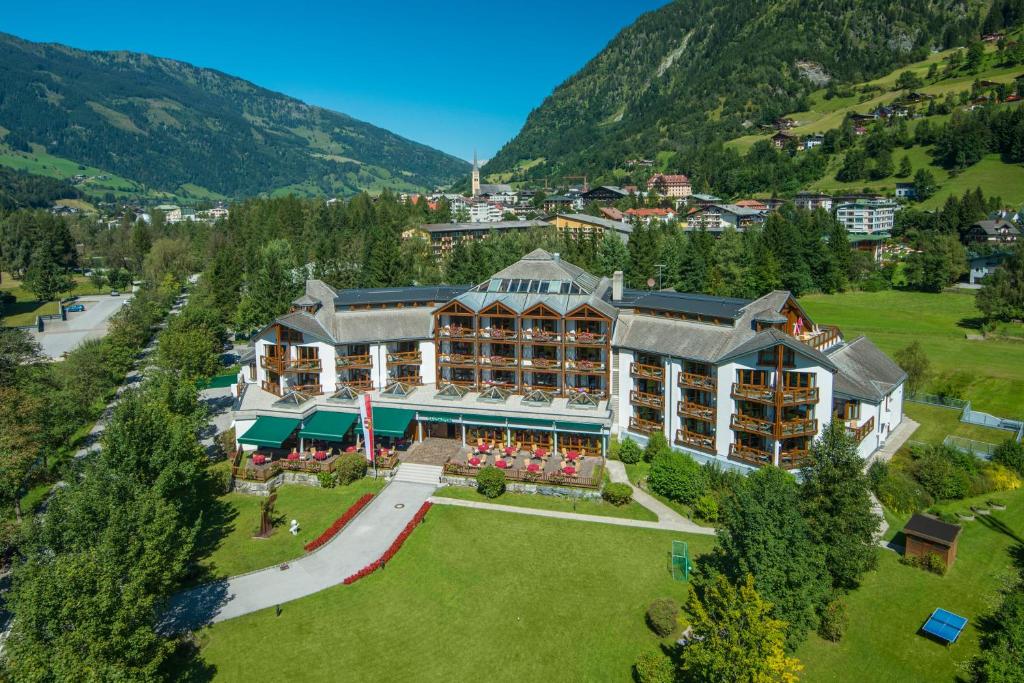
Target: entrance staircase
419, 474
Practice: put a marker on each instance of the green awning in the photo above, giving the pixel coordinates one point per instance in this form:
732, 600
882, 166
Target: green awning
530, 422
391, 421
327, 426
494, 420
578, 427
269, 431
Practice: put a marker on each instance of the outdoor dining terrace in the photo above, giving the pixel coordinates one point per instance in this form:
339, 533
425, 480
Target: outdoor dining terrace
536, 466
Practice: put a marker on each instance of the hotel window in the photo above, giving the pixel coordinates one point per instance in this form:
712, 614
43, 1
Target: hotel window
799, 379
851, 411
753, 377
770, 356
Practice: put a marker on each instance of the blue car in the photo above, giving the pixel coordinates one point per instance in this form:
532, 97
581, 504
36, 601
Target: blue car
75, 308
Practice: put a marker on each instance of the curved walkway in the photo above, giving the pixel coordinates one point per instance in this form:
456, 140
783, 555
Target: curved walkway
361, 542
666, 515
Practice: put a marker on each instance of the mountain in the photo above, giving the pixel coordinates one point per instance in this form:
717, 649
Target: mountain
178, 128
699, 71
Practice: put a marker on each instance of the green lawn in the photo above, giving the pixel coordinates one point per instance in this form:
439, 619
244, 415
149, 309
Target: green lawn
937, 423
473, 595
995, 178
893, 319
881, 643
237, 517
27, 307
538, 502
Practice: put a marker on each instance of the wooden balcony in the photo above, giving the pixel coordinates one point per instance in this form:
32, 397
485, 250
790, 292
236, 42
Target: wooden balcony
594, 366
826, 336
499, 361
749, 455
457, 332
458, 359
303, 365
642, 426
542, 363
405, 358
696, 411
541, 336
860, 433
585, 338
274, 364
356, 384
691, 380
414, 380
311, 389
701, 442
655, 372
797, 427
792, 396
761, 393
498, 333
793, 458
273, 387
642, 398
752, 425
363, 360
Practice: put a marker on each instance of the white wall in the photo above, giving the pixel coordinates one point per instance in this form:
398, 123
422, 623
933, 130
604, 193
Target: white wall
625, 384
428, 367
241, 427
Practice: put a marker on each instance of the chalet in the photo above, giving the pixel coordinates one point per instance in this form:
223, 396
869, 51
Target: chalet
864, 118
646, 216
557, 202
906, 191
581, 225
812, 141
752, 204
859, 130
715, 218
999, 231
677, 186
444, 236
604, 193
784, 123
782, 140
812, 200
611, 213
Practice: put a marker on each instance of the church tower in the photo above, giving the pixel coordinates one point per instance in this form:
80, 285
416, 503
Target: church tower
476, 176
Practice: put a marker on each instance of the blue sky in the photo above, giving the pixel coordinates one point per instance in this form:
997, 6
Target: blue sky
454, 75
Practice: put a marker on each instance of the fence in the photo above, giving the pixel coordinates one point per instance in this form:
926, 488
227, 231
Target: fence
979, 449
936, 400
969, 415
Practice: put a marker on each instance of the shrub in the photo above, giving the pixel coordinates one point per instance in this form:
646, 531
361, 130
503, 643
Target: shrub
1000, 478
663, 616
490, 482
677, 477
877, 473
706, 508
617, 494
940, 475
833, 621
1010, 454
327, 480
351, 466
630, 451
930, 562
656, 445
901, 493
654, 667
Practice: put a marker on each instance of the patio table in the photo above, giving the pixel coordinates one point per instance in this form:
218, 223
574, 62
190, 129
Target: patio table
258, 459
509, 450
572, 455
474, 461
569, 470
501, 464
293, 456
541, 453
533, 467
350, 449
320, 455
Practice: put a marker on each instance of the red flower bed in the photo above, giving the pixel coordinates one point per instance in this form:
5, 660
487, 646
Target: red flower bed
339, 523
392, 549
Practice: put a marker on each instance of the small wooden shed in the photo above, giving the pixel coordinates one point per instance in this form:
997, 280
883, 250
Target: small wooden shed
925, 534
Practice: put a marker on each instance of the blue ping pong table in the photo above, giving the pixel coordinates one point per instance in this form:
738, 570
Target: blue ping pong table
945, 625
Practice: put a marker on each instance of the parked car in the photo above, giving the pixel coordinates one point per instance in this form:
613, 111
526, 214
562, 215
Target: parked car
75, 308
114, 292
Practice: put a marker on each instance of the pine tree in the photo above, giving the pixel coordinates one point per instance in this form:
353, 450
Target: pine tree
643, 255
905, 168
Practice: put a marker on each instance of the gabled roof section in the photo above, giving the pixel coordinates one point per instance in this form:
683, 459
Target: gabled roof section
346, 298
770, 338
303, 322
306, 300
864, 371
679, 302
545, 266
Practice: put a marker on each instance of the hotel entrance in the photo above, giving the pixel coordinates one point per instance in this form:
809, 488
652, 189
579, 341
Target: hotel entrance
441, 430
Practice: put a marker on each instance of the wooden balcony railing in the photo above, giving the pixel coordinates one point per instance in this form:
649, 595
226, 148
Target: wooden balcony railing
303, 365
414, 380
691, 380
311, 389
696, 411
749, 454
642, 398
798, 427
754, 425
272, 387
793, 458
501, 361
792, 396
586, 337
702, 442
642, 426
860, 433
585, 365
272, 363
541, 336
826, 336
405, 358
498, 333
356, 384
457, 332
656, 372
362, 360
762, 393
543, 363
458, 359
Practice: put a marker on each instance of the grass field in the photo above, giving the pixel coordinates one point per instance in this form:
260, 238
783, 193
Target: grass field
894, 319
528, 500
937, 422
233, 550
27, 307
881, 643
473, 595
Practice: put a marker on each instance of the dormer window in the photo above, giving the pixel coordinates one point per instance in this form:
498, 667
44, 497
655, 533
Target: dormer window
306, 304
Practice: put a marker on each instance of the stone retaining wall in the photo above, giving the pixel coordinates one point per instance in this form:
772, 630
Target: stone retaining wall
524, 487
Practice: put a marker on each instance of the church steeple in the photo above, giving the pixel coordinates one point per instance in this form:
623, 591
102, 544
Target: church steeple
476, 175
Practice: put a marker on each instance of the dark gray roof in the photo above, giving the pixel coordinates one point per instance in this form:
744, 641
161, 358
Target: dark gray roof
472, 227
305, 323
773, 337
933, 529
995, 227
769, 316
542, 265
494, 188
678, 338
378, 324
306, 300
864, 371
618, 226
679, 302
395, 295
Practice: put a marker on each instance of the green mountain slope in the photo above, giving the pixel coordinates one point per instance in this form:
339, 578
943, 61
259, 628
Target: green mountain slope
170, 126
696, 71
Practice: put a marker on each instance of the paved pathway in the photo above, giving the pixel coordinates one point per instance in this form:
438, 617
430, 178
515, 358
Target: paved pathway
897, 438
361, 542
666, 515
685, 526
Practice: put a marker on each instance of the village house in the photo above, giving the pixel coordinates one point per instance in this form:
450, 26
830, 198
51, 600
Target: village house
545, 355
715, 218
604, 194
676, 186
866, 215
444, 236
1000, 231
645, 216
581, 225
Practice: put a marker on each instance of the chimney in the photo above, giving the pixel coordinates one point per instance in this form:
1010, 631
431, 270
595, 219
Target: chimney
617, 285
556, 257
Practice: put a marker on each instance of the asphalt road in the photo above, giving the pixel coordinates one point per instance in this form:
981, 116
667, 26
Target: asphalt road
60, 336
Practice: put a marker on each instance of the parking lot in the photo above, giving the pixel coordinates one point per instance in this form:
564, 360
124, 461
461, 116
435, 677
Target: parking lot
61, 336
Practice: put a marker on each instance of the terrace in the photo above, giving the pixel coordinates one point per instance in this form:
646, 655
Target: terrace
692, 380
691, 439
536, 465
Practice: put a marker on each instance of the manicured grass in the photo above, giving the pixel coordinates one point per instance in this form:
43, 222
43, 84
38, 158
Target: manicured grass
639, 471
632, 510
237, 517
940, 322
27, 307
937, 423
995, 178
894, 601
473, 595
